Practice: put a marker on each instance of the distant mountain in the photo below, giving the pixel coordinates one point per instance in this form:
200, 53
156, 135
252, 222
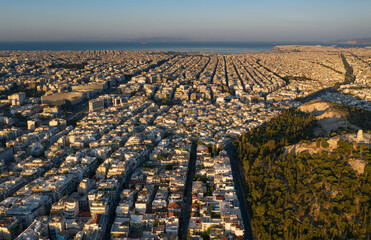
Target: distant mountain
356, 41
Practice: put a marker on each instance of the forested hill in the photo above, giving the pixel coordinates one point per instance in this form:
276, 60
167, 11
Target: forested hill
316, 196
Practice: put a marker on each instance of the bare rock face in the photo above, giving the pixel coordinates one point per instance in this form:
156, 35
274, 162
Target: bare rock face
328, 117
360, 135
315, 107
358, 165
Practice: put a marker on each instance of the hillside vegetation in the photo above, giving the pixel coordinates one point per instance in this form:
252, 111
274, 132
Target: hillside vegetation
303, 196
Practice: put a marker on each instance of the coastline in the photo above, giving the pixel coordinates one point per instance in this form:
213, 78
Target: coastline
196, 47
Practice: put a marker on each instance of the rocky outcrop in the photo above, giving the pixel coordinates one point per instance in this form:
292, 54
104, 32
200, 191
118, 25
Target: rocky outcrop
329, 118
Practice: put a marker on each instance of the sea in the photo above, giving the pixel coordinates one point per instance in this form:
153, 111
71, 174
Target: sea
209, 47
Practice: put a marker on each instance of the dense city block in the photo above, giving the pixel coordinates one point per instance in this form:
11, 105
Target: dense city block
139, 144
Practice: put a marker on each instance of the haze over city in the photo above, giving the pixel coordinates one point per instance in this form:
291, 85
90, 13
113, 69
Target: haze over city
166, 20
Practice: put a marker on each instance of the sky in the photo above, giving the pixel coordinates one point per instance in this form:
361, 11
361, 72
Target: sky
184, 21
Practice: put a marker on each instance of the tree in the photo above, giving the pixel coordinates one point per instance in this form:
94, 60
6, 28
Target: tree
325, 144
155, 223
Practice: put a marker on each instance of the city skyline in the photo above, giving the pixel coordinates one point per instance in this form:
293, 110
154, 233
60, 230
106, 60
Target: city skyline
206, 21
196, 120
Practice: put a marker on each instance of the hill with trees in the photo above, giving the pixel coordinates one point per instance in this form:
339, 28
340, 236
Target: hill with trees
303, 196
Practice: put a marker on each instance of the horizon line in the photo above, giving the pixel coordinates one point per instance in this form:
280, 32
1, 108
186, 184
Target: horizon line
145, 41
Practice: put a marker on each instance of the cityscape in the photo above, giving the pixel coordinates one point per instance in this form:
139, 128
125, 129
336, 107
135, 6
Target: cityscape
185, 120
118, 144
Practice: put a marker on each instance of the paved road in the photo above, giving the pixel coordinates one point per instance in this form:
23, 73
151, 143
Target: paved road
240, 195
187, 199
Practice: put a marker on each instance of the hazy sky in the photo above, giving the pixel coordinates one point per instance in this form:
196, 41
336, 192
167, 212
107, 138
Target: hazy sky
189, 20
